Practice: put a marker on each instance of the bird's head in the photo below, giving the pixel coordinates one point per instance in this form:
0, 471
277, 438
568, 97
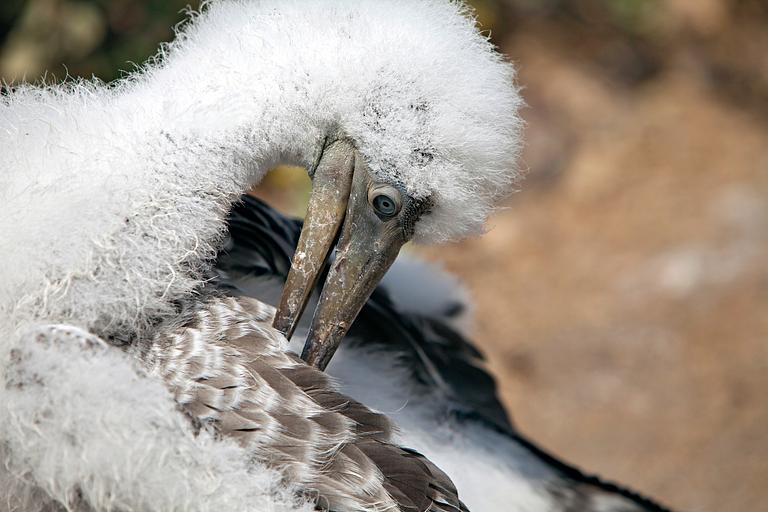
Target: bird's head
417, 138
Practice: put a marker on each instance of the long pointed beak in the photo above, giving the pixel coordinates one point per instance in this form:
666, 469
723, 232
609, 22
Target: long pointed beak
331, 186
365, 251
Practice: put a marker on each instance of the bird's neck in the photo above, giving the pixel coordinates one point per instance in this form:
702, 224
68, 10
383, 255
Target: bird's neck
227, 128
145, 174
203, 142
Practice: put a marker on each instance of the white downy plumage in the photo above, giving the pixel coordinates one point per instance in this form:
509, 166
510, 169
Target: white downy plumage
113, 198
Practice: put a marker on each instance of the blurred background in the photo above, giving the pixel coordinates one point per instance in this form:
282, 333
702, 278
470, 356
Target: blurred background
622, 297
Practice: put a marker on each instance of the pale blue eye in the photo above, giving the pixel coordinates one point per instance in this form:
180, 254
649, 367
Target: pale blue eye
384, 205
385, 200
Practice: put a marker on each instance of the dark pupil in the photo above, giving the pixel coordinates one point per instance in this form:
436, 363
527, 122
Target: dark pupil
384, 205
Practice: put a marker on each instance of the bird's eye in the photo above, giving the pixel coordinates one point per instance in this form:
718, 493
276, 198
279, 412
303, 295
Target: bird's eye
385, 200
385, 205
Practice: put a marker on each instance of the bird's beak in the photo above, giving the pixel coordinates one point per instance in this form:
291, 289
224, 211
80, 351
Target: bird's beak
331, 184
366, 249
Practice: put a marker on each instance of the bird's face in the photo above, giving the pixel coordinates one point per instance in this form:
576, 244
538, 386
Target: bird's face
372, 218
429, 135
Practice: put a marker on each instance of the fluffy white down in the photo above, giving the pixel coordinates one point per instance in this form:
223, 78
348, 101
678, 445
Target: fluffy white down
81, 423
113, 198
115, 195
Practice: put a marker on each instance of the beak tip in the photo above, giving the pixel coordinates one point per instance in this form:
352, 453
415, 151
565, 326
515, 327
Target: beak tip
283, 322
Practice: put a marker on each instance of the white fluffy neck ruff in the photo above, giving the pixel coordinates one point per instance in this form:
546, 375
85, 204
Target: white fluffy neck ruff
113, 197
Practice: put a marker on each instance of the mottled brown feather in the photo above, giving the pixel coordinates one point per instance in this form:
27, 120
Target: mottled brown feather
228, 369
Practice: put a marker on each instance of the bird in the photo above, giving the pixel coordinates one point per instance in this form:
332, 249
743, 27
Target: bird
408, 353
129, 383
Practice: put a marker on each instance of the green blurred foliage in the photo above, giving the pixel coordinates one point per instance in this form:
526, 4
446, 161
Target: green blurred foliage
100, 38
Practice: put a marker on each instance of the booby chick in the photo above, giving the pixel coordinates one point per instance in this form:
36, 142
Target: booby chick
113, 201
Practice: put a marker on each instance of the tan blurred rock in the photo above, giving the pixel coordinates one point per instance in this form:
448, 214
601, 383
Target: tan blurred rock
702, 16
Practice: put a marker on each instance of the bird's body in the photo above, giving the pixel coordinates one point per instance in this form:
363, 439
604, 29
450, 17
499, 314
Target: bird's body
407, 356
231, 376
229, 369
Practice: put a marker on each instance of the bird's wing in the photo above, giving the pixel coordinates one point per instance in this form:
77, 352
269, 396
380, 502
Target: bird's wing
228, 369
438, 357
